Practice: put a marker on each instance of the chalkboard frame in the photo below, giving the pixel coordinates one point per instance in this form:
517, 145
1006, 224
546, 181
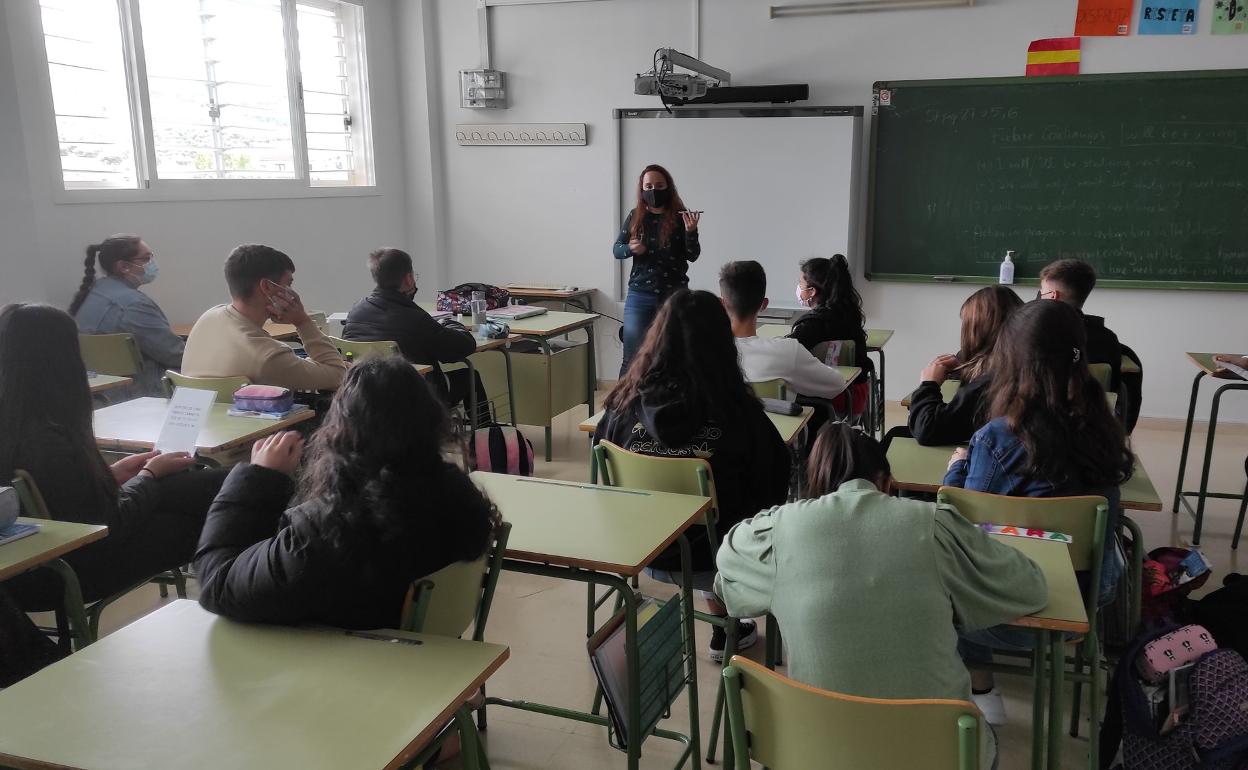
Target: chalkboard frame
869, 224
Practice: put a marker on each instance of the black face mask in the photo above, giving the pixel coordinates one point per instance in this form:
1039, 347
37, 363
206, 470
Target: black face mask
656, 198
410, 294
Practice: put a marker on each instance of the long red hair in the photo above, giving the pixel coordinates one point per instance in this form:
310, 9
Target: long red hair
669, 220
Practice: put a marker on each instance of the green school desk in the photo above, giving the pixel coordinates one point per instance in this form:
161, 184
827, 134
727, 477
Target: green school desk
601, 536
949, 388
922, 469
102, 382
45, 549
876, 340
245, 696
1064, 613
134, 426
547, 384
1205, 365
476, 362
581, 299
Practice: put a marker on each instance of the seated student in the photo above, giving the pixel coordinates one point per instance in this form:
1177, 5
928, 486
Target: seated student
870, 589
1071, 281
113, 304
827, 288
1050, 434
390, 313
743, 290
932, 422
154, 511
1240, 361
683, 396
230, 340
376, 507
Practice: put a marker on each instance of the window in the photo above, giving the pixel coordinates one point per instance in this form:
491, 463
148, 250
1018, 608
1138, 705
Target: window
147, 91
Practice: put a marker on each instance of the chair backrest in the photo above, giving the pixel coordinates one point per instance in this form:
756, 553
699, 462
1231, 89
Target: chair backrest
618, 467
458, 595
1102, 373
769, 389
786, 725
224, 387
320, 320
361, 350
846, 352
33, 504
113, 354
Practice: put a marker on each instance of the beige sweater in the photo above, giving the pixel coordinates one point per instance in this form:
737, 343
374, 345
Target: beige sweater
224, 343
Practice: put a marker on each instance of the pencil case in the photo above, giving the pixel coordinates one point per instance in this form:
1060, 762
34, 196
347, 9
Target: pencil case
1177, 648
263, 398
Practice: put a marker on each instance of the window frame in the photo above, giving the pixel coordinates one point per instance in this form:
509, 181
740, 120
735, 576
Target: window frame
151, 187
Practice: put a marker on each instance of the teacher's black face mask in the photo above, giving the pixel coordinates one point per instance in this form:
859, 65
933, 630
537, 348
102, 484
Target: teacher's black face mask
656, 198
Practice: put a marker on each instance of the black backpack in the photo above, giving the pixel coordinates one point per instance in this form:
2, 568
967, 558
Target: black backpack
1225, 613
23, 648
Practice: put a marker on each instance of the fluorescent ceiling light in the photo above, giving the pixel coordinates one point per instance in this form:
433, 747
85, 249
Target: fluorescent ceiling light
861, 6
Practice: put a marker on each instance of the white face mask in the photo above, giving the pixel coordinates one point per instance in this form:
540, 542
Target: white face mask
800, 291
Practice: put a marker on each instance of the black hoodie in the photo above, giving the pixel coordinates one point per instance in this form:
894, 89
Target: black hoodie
749, 461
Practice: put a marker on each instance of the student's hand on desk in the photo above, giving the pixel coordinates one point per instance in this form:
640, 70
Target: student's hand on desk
1241, 361
961, 453
128, 467
280, 452
938, 370
637, 247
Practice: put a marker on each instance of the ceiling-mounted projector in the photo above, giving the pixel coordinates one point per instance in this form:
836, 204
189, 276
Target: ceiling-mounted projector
708, 85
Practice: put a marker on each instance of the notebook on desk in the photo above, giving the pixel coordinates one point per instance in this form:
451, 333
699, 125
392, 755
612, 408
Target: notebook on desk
10, 528
514, 312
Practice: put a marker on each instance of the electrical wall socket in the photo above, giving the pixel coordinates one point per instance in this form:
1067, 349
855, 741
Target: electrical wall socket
520, 134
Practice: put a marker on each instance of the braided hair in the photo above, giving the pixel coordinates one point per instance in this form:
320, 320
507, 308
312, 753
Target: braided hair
108, 252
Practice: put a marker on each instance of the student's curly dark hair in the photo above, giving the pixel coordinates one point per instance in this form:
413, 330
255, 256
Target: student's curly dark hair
376, 465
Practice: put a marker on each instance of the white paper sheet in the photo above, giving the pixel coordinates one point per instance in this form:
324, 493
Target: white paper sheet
188, 411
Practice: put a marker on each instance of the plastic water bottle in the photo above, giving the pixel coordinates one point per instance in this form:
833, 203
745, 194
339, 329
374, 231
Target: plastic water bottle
1007, 269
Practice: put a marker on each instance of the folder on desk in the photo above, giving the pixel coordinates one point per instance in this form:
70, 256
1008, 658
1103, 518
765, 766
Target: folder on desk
660, 659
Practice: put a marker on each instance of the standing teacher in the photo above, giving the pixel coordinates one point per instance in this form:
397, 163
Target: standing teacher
661, 245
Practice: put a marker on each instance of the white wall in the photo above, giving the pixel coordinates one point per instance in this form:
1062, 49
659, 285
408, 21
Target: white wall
41, 249
545, 214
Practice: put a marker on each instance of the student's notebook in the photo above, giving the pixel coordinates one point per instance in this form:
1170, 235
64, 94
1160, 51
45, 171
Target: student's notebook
10, 528
515, 312
17, 531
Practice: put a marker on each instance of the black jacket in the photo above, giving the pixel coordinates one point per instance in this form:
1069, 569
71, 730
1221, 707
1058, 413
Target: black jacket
662, 269
832, 322
932, 422
749, 461
388, 315
260, 562
1103, 348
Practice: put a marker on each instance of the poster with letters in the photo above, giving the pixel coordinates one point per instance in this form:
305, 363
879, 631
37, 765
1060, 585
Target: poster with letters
1168, 17
1103, 17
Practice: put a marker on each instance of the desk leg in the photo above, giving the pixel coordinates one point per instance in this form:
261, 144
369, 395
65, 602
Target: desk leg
1187, 439
691, 660
1039, 680
1204, 472
75, 610
474, 409
591, 374
511, 390
1057, 668
472, 756
881, 396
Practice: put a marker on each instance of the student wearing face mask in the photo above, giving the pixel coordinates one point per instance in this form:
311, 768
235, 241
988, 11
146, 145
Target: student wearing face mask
390, 313
113, 304
661, 237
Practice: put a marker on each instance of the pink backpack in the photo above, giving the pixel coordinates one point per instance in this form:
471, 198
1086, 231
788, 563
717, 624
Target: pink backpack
500, 449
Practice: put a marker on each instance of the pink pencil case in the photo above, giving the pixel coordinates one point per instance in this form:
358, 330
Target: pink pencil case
1177, 648
263, 398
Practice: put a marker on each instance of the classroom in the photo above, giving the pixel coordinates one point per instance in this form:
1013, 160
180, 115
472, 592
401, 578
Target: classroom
910, 398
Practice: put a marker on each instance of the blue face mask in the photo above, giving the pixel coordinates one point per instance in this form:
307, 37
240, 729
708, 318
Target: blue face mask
150, 271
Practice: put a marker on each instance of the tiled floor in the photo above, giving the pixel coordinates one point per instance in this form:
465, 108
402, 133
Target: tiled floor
543, 620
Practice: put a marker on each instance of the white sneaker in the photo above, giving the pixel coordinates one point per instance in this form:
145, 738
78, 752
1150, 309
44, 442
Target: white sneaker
992, 706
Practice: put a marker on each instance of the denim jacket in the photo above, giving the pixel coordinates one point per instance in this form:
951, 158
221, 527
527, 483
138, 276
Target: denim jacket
996, 463
114, 307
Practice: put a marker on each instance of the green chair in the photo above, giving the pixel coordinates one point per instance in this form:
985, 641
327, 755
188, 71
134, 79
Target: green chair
769, 389
35, 506
1103, 374
787, 725
224, 387
446, 603
1085, 520
113, 354
358, 351
1243, 508
846, 355
618, 467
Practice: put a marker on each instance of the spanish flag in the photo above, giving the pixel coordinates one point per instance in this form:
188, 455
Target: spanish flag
1053, 56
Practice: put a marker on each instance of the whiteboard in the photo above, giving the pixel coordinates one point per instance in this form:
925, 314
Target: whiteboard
778, 185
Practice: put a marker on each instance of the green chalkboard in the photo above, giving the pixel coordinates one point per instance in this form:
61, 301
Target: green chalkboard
1145, 175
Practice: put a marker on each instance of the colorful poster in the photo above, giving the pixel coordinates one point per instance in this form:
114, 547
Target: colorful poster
1175, 17
1097, 18
1053, 56
1230, 17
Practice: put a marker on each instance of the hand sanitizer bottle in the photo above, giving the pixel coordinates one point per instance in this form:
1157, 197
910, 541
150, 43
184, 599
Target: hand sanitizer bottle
1007, 269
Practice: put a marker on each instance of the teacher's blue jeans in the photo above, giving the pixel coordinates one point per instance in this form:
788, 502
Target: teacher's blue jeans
640, 308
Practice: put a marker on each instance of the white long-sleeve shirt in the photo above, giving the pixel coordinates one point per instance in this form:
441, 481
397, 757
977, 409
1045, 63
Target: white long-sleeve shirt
765, 358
